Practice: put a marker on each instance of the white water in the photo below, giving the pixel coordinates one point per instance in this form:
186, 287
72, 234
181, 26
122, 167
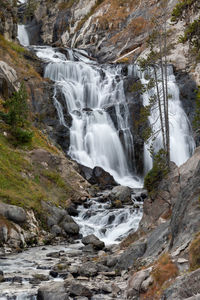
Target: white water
23, 35
108, 224
89, 89
182, 144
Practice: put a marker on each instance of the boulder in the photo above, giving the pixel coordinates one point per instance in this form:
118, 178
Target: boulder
129, 256
97, 176
121, 193
8, 80
94, 241
102, 178
13, 213
71, 228
52, 291
77, 289
135, 282
88, 269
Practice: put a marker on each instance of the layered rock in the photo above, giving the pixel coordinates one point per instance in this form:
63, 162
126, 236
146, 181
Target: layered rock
169, 224
8, 19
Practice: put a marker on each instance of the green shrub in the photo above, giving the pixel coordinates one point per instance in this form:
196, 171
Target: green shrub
196, 121
157, 173
194, 253
17, 116
22, 136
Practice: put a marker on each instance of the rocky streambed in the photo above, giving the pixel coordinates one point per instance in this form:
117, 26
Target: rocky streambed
85, 268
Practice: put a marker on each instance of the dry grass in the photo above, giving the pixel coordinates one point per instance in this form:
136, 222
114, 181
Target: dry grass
194, 253
164, 271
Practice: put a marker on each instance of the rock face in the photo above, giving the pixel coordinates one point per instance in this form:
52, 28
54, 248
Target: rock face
8, 19
170, 221
8, 80
184, 287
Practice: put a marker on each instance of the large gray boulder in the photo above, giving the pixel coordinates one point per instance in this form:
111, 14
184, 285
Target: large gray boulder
94, 241
136, 281
71, 228
13, 213
97, 176
77, 289
129, 256
53, 291
88, 269
121, 193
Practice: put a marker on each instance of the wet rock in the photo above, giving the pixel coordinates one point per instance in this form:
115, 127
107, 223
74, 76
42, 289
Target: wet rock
52, 291
86, 172
71, 228
130, 255
103, 178
97, 176
121, 193
2, 279
53, 273
79, 290
72, 211
94, 241
53, 254
17, 279
41, 277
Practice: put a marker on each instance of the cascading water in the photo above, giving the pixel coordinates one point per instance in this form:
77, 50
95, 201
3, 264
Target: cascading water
110, 224
89, 89
182, 144
23, 35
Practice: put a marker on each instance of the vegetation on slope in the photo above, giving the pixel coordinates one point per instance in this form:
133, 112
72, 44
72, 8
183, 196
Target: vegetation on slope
24, 180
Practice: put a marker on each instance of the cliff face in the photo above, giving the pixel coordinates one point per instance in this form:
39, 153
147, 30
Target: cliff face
8, 19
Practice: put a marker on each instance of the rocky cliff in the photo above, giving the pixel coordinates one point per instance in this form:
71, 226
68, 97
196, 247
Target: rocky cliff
111, 30
8, 19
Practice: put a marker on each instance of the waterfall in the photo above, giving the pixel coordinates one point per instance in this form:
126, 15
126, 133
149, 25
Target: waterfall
182, 144
89, 89
23, 35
